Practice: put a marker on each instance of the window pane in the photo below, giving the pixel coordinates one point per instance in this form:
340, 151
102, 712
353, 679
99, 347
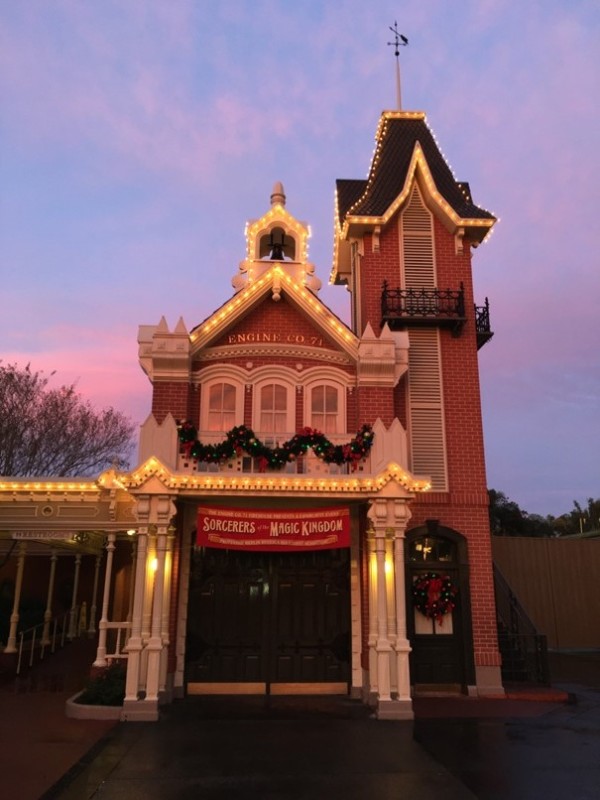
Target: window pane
215, 396
266, 397
324, 408
228, 397
273, 408
318, 400
432, 548
221, 407
280, 398
331, 398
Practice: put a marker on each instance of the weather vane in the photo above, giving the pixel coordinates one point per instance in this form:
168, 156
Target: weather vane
399, 41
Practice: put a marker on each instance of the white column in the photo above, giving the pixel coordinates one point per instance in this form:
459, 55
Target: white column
73, 616
372, 589
383, 646
11, 645
164, 630
102, 625
155, 644
402, 645
93, 610
132, 579
134, 644
48, 611
389, 516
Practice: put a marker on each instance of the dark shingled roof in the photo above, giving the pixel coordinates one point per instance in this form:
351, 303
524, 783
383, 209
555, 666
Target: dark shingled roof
386, 180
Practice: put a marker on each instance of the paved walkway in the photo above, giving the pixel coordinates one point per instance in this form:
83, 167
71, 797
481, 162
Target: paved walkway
295, 748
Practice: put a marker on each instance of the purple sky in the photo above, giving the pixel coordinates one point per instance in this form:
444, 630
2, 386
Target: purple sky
136, 139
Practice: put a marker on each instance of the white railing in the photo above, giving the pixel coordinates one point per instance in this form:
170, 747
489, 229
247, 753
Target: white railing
32, 639
117, 634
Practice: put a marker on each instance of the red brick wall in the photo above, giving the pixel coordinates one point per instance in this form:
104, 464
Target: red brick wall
375, 402
375, 268
173, 397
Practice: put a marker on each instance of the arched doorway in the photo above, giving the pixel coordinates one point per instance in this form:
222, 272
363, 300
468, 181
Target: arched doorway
442, 650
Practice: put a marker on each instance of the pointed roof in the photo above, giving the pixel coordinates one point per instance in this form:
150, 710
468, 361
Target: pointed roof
398, 134
406, 149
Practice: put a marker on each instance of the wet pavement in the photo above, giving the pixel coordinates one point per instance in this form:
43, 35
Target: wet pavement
296, 748
250, 748
554, 756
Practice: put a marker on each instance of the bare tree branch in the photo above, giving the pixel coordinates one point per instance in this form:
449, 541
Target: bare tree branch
47, 431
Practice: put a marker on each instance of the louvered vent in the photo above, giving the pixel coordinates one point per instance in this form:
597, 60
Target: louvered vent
427, 437
417, 244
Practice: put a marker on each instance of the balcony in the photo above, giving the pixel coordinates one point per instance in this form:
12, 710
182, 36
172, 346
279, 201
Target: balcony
402, 308
308, 465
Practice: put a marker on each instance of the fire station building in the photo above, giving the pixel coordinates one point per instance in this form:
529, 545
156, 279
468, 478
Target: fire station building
309, 510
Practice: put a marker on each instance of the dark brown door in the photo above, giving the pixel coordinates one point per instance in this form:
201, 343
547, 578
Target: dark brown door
438, 647
268, 618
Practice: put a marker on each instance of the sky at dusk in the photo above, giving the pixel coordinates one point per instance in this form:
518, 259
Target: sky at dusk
138, 137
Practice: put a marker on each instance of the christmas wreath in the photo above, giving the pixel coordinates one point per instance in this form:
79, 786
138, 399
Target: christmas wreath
243, 439
434, 595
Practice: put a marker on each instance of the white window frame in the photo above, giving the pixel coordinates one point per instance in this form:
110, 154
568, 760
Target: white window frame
221, 374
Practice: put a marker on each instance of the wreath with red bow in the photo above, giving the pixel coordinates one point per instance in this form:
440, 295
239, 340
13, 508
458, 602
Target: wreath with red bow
434, 595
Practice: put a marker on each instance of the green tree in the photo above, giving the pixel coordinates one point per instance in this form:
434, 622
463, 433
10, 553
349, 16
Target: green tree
47, 431
508, 519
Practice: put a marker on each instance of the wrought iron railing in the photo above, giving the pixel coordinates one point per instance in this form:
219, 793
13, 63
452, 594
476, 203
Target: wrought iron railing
524, 650
425, 304
433, 307
482, 323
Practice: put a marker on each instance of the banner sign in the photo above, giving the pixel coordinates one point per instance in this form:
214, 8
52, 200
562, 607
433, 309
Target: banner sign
273, 529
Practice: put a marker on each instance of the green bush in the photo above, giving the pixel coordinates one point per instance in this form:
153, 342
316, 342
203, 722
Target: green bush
107, 689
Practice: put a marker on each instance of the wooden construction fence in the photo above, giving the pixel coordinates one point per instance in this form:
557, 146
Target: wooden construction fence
557, 581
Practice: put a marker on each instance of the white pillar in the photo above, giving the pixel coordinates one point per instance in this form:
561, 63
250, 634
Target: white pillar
93, 609
372, 589
11, 645
383, 646
132, 579
73, 616
48, 611
164, 631
389, 516
102, 625
134, 644
402, 645
155, 644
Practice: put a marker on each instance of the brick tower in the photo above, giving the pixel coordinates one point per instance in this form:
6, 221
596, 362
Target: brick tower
403, 246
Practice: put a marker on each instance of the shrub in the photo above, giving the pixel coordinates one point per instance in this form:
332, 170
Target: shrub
107, 689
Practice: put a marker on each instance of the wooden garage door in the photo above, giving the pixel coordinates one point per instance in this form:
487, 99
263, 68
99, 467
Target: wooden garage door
268, 622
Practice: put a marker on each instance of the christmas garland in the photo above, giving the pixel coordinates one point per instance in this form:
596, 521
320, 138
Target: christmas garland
242, 439
434, 595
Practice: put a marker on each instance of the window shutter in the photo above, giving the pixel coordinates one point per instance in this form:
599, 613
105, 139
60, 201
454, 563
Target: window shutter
417, 244
427, 436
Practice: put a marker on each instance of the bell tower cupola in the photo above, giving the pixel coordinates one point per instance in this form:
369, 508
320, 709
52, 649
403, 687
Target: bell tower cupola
277, 238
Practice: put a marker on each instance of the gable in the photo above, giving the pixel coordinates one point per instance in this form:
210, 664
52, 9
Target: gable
274, 310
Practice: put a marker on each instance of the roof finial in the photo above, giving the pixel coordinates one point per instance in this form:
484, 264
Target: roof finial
278, 194
399, 40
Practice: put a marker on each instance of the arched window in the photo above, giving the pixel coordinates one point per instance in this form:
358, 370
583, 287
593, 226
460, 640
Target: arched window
221, 407
273, 408
324, 409
426, 549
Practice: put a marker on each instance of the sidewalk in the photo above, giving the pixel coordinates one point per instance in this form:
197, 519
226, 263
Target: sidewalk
38, 743
254, 748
